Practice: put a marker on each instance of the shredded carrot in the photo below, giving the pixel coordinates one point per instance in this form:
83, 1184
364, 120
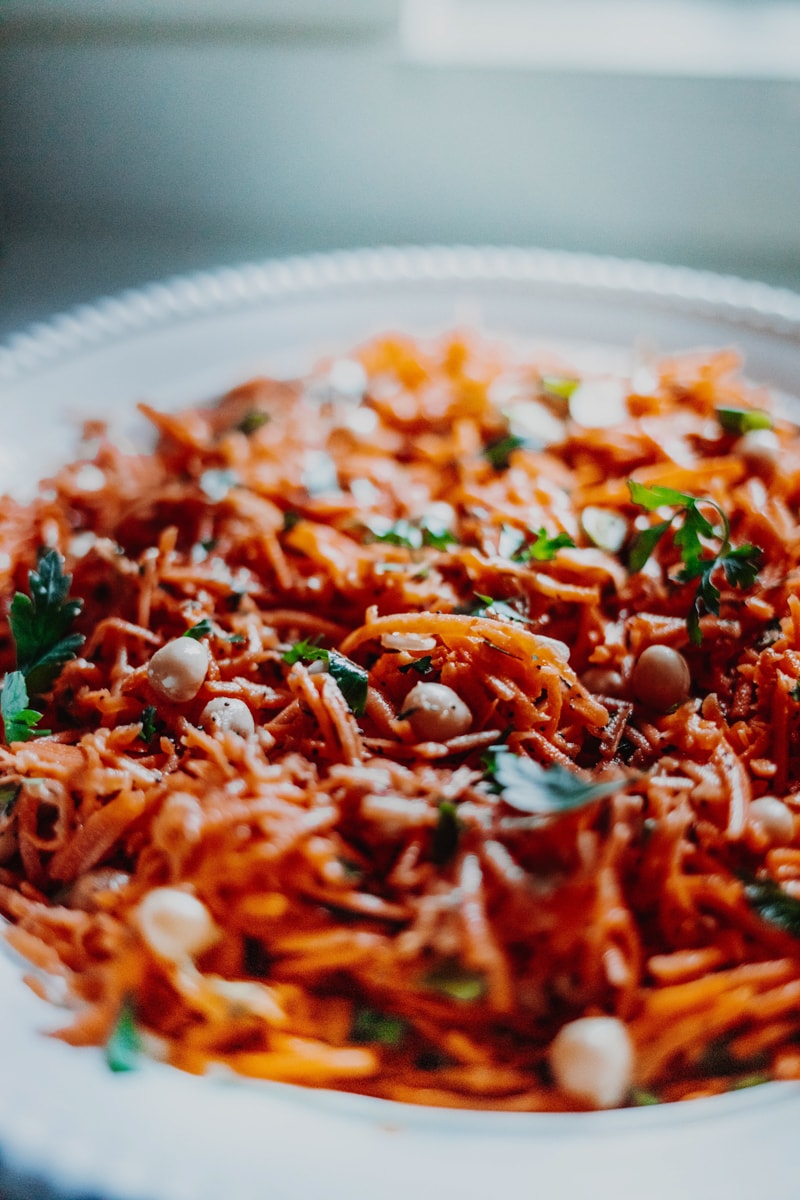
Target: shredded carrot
380, 912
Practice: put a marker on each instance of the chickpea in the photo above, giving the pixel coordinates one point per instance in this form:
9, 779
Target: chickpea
177, 671
759, 448
592, 1061
771, 817
661, 678
175, 924
223, 715
603, 681
436, 712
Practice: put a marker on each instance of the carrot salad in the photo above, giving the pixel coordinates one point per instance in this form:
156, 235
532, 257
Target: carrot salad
427, 728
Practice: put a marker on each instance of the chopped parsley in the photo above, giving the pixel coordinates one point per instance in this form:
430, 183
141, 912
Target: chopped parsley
41, 625
543, 548
742, 420
500, 450
774, 905
447, 832
200, 630
559, 386
19, 721
124, 1045
739, 563
412, 535
352, 680
8, 797
543, 792
370, 1025
252, 421
217, 482
456, 982
489, 607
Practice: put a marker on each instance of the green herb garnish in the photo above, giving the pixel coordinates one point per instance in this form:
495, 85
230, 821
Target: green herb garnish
148, 730
370, 1025
200, 630
499, 451
41, 624
422, 666
543, 792
739, 563
252, 421
124, 1046
217, 482
436, 534
774, 905
305, 651
446, 833
401, 533
742, 420
557, 385
456, 982
19, 721
489, 607
8, 797
412, 535
543, 548
352, 680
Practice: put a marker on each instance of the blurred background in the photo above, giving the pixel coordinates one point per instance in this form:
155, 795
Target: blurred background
140, 138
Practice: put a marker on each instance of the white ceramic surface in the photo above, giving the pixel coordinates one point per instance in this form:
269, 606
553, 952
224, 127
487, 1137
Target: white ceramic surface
159, 1135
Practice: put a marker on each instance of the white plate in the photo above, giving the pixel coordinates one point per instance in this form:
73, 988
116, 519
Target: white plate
160, 1135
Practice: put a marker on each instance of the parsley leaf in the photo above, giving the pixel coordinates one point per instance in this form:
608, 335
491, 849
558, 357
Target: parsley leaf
411, 535
306, 651
41, 622
8, 797
657, 497
200, 630
422, 666
531, 788
446, 833
499, 451
148, 730
252, 421
557, 385
19, 721
742, 420
352, 680
436, 534
456, 982
644, 544
217, 482
401, 533
488, 607
774, 905
370, 1025
124, 1045
740, 564
544, 548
